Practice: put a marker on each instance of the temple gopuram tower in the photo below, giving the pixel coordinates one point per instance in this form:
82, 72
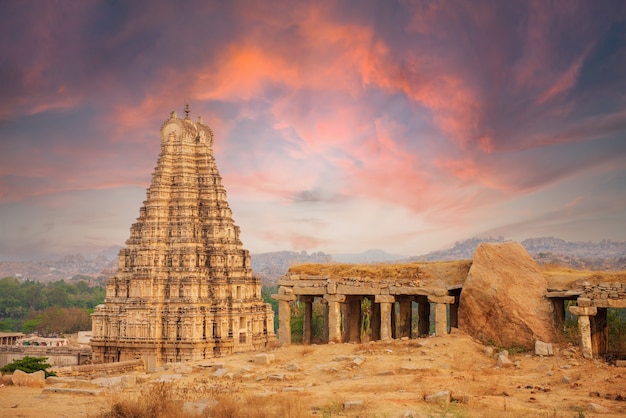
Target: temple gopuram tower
184, 288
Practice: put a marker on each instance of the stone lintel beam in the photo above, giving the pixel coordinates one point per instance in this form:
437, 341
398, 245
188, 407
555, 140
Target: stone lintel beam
583, 302
384, 299
357, 290
583, 310
286, 298
313, 291
441, 299
407, 290
611, 303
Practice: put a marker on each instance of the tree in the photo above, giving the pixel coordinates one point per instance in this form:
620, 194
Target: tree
29, 365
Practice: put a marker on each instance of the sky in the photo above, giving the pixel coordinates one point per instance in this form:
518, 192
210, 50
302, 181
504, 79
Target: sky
340, 126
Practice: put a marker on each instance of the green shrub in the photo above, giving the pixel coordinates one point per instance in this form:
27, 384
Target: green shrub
29, 365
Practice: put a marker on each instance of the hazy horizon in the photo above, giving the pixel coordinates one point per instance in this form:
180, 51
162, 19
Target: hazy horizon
340, 126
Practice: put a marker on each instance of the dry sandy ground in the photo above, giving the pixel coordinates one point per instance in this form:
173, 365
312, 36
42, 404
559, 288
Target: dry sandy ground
391, 379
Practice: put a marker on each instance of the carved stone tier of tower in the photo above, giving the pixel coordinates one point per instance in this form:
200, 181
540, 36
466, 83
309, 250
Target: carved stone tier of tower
184, 288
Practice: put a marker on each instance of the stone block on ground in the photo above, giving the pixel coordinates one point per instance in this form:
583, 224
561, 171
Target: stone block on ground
219, 373
264, 358
33, 380
357, 361
543, 349
293, 367
503, 362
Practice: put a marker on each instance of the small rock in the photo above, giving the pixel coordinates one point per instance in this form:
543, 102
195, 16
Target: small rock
504, 353
386, 373
620, 363
489, 351
264, 358
596, 408
293, 367
543, 349
441, 398
566, 380
219, 373
503, 361
293, 389
357, 361
352, 404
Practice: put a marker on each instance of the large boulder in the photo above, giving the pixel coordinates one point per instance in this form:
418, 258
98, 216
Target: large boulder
34, 380
503, 299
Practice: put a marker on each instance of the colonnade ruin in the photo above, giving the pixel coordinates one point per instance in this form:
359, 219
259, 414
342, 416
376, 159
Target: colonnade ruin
390, 294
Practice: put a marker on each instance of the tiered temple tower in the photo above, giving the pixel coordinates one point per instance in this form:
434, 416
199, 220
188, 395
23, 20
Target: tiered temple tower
184, 288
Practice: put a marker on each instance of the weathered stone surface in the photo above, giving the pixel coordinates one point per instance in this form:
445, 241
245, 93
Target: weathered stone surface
33, 380
503, 297
543, 349
441, 398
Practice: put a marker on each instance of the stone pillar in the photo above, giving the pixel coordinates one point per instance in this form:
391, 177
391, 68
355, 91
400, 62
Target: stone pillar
354, 320
454, 309
558, 307
386, 304
584, 310
600, 332
334, 316
405, 320
325, 330
307, 326
423, 321
441, 317
284, 317
375, 320
345, 322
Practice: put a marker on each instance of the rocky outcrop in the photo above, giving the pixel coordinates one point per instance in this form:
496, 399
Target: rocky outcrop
503, 299
33, 380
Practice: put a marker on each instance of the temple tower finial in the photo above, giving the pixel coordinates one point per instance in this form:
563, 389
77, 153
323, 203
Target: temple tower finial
187, 110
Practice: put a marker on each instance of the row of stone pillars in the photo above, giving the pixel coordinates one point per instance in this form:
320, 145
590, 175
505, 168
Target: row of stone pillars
342, 316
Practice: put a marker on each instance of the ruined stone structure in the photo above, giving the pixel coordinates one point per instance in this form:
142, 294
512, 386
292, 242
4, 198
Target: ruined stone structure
592, 302
184, 288
390, 300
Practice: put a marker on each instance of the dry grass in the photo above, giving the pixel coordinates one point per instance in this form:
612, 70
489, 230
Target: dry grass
380, 271
163, 401
155, 401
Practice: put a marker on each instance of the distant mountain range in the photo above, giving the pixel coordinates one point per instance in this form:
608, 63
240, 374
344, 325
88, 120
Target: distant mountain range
603, 255
269, 267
